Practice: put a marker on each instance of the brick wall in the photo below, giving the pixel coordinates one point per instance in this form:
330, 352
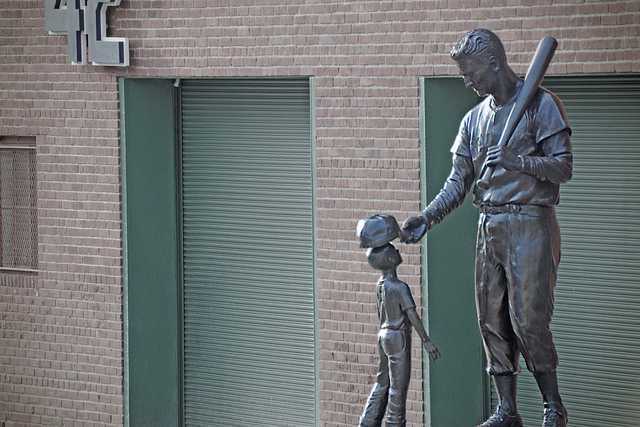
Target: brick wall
61, 329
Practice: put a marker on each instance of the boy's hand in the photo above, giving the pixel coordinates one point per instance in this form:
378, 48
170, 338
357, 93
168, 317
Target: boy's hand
430, 348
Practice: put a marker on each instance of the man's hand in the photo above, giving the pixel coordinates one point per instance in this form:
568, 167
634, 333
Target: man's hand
413, 229
503, 156
430, 348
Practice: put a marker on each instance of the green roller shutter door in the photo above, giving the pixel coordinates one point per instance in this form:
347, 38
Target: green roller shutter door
597, 314
249, 324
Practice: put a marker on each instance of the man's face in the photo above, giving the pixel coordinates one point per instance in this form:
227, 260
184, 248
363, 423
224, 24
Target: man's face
478, 74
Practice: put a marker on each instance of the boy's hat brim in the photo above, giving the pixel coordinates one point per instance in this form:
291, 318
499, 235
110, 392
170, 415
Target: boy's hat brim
377, 230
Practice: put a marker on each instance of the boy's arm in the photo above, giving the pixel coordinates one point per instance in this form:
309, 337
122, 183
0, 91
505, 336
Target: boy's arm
415, 321
409, 308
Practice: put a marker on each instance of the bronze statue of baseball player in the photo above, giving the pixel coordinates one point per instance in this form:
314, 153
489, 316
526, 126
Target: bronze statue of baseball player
518, 241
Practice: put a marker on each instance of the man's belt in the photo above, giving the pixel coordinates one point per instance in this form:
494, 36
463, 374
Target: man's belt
513, 208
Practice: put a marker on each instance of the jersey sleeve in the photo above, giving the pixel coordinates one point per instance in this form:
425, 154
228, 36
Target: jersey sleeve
461, 143
550, 119
406, 298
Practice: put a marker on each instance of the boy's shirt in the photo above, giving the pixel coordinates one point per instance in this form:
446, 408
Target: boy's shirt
394, 298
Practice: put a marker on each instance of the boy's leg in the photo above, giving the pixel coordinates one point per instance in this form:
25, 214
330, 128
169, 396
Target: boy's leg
397, 345
376, 405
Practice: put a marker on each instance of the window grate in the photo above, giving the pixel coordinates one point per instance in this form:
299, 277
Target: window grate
18, 204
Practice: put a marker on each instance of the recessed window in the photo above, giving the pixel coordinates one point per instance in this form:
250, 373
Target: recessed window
18, 204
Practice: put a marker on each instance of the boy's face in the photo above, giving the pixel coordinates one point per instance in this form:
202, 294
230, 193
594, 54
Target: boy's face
399, 257
371, 259
391, 258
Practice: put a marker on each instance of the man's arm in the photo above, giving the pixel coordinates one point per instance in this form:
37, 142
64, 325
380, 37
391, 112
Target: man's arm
450, 197
453, 191
556, 165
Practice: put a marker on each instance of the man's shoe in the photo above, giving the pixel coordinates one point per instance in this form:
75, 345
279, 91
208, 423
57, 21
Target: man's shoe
500, 418
554, 415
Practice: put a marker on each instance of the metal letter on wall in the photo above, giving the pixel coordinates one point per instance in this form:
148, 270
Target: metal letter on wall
67, 17
104, 50
84, 20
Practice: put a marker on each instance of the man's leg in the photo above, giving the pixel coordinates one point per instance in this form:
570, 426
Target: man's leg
493, 317
377, 402
506, 386
535, 256
555, 414
505, 414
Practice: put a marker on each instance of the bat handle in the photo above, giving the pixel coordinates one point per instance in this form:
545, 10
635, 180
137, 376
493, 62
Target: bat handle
484, 179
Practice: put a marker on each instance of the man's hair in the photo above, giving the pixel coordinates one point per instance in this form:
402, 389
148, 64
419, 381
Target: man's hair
384, 257
480, 43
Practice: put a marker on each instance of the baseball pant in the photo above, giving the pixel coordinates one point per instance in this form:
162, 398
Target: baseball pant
392, 381
517, 256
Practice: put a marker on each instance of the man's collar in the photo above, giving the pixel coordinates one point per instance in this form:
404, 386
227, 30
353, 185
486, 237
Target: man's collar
492, 101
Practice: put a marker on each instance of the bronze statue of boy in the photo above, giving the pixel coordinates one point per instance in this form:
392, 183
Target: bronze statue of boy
397, 314
518, 244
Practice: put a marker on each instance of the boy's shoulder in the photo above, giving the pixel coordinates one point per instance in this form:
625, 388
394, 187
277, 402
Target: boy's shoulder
398, 292
397, 284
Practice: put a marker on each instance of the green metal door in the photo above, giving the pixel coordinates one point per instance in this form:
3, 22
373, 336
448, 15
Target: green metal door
248, 290
456, 381
597, 316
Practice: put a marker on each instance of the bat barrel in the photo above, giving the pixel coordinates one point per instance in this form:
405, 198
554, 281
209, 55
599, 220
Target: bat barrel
533, 78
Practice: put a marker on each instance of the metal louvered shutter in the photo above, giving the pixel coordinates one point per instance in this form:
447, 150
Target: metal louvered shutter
18, 205
597, 314
249, 323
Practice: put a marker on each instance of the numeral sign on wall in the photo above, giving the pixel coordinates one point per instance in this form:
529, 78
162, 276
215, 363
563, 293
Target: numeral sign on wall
85, 24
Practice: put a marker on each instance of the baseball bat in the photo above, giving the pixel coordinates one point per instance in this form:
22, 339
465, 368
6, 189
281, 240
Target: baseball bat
538, 66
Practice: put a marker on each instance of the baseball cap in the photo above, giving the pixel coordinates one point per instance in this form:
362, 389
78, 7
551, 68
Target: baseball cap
377, 230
